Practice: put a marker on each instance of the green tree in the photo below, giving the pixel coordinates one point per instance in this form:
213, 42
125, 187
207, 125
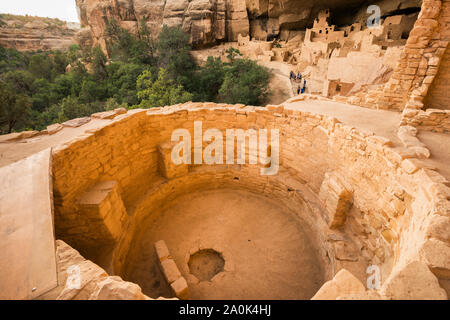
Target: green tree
91, 91
41, 66
11, 59
245, 82
72, 108
41, 94
60, 62
121, 81
233, 53
160, 92
14, 108
173, 52
20, 81
126, 47
208, 80
98, 60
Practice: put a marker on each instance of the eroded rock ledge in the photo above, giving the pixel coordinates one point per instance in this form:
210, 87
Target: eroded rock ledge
35, 33
211, 21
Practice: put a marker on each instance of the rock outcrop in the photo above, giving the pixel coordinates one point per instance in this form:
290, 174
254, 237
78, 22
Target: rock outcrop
81, 279
207, 21
211, 21
25, 33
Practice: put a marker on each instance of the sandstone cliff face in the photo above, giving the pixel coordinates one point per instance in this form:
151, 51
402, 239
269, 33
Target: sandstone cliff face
34, 33
211, 21
207, 21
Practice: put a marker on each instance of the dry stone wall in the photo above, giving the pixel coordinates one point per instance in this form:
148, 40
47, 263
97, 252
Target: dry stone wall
430, 120
441, 84
398, 214
419, 63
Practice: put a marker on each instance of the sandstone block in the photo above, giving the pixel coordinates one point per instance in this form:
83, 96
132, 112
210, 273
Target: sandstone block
343, 284
54, 128
413, 282
436, 255
167, 167
114, 288
74, 123
345, 251
161, 250
180, 288
119, 111
170, 270
95, 284
103, 204
29, 134
336, 199
90, 274
439, 228
10, 137
104, 115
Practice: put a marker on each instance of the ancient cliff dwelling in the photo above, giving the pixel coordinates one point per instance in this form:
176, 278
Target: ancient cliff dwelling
337, 188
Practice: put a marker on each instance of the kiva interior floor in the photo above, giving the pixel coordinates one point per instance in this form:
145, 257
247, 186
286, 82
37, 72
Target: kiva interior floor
267, 254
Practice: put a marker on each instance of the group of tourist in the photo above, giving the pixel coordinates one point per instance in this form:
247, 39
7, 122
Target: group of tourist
297, 78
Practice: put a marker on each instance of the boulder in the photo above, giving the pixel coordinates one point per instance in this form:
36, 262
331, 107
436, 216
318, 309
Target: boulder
413, 282
343, 284
78, 122
54, 128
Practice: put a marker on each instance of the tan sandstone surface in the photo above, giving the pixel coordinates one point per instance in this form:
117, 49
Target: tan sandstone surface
35, 33
317, 154
211, 21
261, 259
358, 189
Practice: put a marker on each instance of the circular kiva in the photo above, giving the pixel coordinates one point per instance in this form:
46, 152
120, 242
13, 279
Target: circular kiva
341, 198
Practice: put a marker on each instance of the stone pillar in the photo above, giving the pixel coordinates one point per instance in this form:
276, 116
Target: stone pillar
103, 206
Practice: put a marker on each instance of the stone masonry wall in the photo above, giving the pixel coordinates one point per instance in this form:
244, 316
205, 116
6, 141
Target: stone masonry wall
430, 120
436, 98
419, 62
400, 209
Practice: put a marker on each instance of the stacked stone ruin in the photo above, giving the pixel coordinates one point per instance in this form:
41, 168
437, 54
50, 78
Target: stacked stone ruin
363, 201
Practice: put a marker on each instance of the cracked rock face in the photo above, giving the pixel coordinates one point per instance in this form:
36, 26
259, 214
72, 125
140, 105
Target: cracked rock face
36, 33
207, 21
211, 21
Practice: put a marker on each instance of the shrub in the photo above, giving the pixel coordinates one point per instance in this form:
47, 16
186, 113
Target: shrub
245, 82
160, 92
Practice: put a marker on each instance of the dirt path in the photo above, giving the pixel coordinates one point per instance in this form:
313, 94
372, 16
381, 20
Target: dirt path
279, 90
263, 243
280, 85
381, 122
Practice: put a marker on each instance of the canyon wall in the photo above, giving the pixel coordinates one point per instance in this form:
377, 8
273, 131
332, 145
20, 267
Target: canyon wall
416, 83
212, 21
26, 33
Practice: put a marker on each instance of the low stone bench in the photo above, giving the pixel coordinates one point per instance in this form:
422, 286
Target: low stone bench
102, 204
170, 271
